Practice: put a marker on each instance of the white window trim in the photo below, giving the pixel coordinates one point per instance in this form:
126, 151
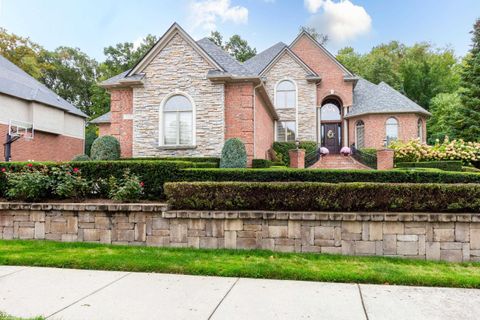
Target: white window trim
161, 133
275, 94
356, 133
398, 128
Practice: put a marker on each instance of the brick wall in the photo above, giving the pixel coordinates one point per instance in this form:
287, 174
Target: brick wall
433, 236
264, 126
44, 147
239, 115
121, 126
375, 131
104, 129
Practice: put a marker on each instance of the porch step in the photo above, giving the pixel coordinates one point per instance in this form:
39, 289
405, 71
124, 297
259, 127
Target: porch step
336, 161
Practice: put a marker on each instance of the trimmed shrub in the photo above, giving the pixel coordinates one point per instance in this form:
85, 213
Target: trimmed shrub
261, 163
282, 149
105, 148
187, 159
311, 196
127, 189
327, 175
443, 165
234, 154
28, 185
470, 169
81, 157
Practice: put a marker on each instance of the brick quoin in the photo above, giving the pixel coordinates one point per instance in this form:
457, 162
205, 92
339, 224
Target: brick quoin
375, 131
44, 147
121, 128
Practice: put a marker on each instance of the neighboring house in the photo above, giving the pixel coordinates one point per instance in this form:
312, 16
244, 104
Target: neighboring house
186, 97
59, 127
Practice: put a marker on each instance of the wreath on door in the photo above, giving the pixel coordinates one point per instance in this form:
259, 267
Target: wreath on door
330, 134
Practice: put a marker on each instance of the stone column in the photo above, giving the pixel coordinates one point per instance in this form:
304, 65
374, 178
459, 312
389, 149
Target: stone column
297, 158
385, 159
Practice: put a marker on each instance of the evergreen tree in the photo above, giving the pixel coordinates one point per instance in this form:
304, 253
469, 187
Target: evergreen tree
468, 125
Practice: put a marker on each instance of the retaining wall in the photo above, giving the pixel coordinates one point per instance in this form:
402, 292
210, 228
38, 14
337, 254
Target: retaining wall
434, 236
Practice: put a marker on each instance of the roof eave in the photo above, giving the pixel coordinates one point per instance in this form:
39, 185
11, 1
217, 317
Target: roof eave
426, 113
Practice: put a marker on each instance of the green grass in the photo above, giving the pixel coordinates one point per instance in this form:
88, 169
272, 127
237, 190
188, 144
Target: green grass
4, 316
238, 263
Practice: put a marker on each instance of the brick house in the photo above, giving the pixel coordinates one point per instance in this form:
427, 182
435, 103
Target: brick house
58, 126
186, 97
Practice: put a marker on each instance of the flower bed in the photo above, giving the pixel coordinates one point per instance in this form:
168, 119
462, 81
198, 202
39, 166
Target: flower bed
311, 196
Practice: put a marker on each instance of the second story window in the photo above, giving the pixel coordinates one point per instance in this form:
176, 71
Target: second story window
286, 95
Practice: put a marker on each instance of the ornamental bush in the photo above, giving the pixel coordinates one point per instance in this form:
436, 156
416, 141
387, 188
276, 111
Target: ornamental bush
81, 157
129, 188
28, 185
443, 165
314, 196
105, 148
234, 154
67, 183
282, 149
261, 163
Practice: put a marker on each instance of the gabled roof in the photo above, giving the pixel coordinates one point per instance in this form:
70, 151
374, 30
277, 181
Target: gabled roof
369, 98
104, 118
17, 83
328, 53
226, 61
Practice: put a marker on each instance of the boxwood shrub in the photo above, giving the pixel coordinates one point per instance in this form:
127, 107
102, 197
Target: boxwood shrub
314, 196
189, 159
261, 163
443, 165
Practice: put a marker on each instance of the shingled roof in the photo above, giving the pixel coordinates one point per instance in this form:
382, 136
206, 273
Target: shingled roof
17, 83
259, 62
104, 118
369, 98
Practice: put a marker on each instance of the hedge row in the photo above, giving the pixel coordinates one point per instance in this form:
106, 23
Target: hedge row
261, 163
188, 159
443, 165
313, 196
326, 175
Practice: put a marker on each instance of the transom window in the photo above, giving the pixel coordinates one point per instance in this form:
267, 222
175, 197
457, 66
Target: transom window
286, 95
286, 131
391, 129
177, 121
360, 134
330, 112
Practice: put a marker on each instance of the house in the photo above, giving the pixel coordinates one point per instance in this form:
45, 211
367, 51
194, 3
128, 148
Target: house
186, 97
55, 128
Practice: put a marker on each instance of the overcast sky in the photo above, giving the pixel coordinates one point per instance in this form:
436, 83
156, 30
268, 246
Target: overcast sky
93, 24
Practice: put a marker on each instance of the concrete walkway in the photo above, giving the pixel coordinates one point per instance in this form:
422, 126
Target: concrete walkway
84, 294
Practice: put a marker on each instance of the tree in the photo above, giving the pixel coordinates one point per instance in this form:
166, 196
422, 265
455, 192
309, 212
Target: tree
320, 37
445, 112
235, 46
467, 126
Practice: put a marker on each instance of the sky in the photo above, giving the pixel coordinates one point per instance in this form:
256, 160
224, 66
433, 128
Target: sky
92, 25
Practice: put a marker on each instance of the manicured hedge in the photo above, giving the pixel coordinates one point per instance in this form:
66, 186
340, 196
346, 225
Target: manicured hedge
261, 163
282, 149
189, 159
325, 175
312, 196
443, 165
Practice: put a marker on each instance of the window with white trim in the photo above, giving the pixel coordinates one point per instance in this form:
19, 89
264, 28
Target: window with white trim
286, 95
177, 121
391, 129
285, 131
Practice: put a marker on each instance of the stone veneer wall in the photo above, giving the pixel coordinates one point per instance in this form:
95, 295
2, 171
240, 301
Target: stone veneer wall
450, 237
178, 67
286, 68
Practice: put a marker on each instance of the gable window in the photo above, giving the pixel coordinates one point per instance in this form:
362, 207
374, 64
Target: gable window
286, 95
285, 131
177, 121
391, 129
360, 134
420, 129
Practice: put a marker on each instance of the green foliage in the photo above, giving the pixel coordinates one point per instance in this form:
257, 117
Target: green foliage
320, 37
27, 185
105, 148
468, 124
443, 165
261, 163
445, 113
81, 157
235, 46
312, 196
91, 133
282, 148
234, 154
67, 183
127, 189
183, 159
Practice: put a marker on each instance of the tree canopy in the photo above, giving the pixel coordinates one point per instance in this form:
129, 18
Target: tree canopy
235, 46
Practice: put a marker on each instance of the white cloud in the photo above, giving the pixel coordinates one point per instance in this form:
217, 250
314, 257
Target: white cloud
206, 13
341, 21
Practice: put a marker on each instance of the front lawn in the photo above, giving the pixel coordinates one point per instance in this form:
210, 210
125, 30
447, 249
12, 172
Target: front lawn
237, 263
4, 316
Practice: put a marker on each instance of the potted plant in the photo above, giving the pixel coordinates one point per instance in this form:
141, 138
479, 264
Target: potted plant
324, 151
346, 151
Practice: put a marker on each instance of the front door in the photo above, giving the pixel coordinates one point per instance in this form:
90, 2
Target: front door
331, 136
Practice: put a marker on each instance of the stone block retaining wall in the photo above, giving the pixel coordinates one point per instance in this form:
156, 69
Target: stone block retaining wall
434, 236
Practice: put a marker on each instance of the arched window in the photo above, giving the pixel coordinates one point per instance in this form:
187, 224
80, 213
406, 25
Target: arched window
391, 129
330, 112
177, 121
286, 95
359, 134
420, 129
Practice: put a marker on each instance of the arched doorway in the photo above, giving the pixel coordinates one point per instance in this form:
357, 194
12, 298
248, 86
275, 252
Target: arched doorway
330, 118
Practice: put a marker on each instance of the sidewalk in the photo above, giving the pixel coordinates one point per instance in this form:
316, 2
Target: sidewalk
84, 294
